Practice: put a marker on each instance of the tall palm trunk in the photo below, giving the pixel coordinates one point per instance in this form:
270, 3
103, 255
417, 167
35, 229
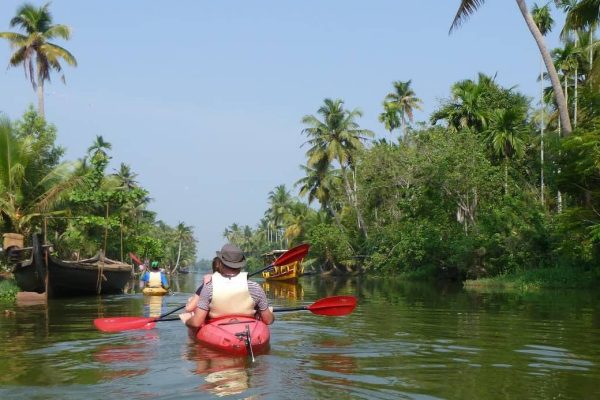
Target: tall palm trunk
178, 257
575, 99
559, 96
542, 134
40, 96
353, 201
505, 175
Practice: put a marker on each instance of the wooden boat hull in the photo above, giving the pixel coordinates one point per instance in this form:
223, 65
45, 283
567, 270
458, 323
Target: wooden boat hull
287, 272
227, 334
154, 291
30, 275
98, 275
70, 278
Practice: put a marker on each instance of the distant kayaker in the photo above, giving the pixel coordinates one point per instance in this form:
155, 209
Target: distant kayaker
154, 278
229, 292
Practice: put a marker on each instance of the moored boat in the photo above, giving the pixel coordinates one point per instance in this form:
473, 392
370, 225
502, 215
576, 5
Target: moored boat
235, 335
286, 272
44, 272
154, 291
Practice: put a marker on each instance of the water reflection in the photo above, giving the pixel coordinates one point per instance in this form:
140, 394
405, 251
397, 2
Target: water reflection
154, 306
223, 375
122, 360
283, 290
404, 340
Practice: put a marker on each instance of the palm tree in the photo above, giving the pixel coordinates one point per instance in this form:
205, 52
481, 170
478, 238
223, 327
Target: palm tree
318, 183
389, 116
567, 59
125, 177
585, 13
19, 177
402, 102
468, 7
99, 147
33, 49
505, 135
544, 21
467, 108
183, 234
336, 138
279, 203
581, 15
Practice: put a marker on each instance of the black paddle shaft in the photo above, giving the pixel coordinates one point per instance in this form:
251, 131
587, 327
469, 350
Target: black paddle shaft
284, 309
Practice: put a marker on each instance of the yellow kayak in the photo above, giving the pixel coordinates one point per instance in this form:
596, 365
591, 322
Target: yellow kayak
154, 291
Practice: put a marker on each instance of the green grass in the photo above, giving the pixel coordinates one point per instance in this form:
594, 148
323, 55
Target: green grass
8, 290
542, 278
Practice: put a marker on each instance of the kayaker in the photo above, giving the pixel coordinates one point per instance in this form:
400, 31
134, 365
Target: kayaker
154, 278
229, 292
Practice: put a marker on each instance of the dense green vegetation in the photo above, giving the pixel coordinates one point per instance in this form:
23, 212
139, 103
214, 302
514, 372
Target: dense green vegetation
492, 186
80, 205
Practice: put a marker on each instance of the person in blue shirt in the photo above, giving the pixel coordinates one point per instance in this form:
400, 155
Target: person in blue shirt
154, 278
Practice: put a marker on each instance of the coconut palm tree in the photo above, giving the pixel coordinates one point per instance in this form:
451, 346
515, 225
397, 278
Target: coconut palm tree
33, 48
467, 107
403, 102
583, 14
183, 234
279, 203
336, 138
544, 21
318, 183
504, 134
18, 175
389, 117
468, 7
125, 177
542, 18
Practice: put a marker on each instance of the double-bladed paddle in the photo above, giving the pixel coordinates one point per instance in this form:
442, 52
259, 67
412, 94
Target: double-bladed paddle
334, 306
117, 324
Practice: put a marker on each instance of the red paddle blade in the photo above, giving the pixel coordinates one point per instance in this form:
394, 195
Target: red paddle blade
119, 324
333, 306
135, 258
294, 254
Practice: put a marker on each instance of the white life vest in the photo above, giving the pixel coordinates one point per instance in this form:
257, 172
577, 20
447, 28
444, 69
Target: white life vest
230, 296
154, 280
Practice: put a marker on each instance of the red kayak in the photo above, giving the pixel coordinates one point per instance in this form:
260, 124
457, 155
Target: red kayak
235, 335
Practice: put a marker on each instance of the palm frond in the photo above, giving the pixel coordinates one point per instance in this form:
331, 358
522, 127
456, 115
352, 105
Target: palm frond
465, 10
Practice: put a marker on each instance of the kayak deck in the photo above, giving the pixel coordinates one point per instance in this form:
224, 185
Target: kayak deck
158, 291
229, 334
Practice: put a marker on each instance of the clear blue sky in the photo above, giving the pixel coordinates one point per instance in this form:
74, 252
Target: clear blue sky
204, 98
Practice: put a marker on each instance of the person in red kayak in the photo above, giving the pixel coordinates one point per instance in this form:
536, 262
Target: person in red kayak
229, 292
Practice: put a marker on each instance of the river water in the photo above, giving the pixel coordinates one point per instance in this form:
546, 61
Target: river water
403, 341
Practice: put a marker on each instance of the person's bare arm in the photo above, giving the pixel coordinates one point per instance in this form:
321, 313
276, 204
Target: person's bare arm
267, 316
197, 319
192, 303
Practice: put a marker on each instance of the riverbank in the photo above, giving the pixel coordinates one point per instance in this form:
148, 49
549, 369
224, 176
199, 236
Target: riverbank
536, 279
8, 290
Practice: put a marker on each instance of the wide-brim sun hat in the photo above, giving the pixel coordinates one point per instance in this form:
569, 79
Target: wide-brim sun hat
232, 256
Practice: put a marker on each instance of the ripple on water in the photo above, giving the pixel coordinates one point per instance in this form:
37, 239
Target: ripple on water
546, 358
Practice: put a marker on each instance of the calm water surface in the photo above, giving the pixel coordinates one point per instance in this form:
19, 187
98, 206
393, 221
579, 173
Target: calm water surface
404, 341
